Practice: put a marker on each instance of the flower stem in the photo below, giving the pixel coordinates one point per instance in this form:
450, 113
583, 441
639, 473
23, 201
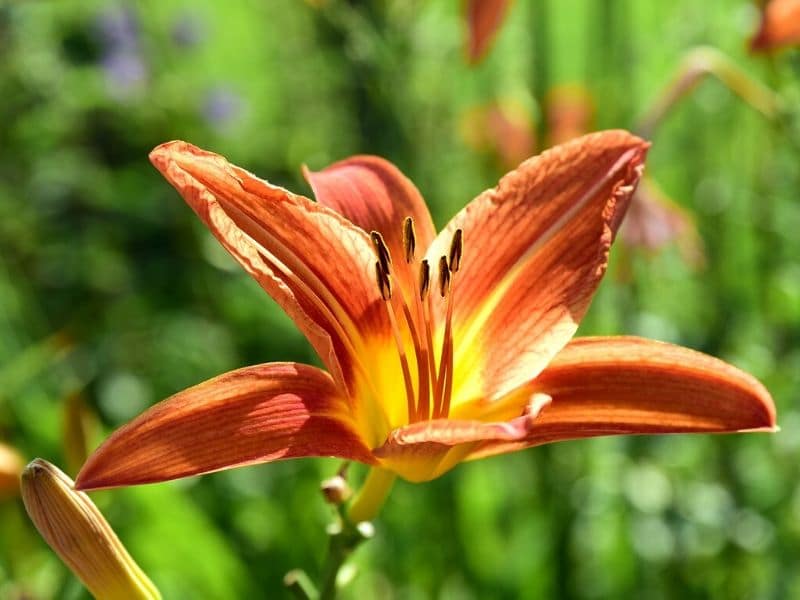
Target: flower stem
351, 528
343, 541
370, 498
698, 64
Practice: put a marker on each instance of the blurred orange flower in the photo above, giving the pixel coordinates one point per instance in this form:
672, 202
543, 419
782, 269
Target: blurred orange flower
11, 464
780, 25
570, 113
427, 366
502, 128
484, 18
654, 220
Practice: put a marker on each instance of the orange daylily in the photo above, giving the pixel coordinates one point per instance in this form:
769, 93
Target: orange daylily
11, 465
484, 18
655, 220
780, 25
504, 129
439, 348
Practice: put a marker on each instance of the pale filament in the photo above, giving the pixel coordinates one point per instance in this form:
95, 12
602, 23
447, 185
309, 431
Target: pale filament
434, 385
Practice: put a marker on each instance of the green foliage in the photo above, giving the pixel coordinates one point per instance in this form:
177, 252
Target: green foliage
111, 288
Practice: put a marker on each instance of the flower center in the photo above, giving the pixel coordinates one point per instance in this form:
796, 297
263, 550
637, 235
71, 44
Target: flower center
430, 397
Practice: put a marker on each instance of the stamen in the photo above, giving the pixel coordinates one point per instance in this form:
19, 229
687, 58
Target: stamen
383, 252
447, 359
409, 239
456, 247
424, 318
444, 383
444, 276
424, 278
444, 286
423, 384
384, 284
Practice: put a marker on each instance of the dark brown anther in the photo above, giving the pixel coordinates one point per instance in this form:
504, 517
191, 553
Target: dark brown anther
384, 283
382, 251
456, 247
444, 276
409, 239
424, 278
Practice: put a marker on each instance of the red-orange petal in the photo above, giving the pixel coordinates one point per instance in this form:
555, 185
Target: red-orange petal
780, 26
535, 249
373, 193
629, 385
317, 265
252, 415
427, 449
484, 18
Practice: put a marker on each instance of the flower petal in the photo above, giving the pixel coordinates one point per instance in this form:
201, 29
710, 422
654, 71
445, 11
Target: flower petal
252, 415
484, 18
780, 25
535, 249
316, 265
427, 449
629, 385
373, 193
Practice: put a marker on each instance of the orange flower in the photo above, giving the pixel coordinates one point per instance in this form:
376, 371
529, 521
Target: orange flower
11, 464
439, 348
654, 220
503, 129
484, 18
780, 25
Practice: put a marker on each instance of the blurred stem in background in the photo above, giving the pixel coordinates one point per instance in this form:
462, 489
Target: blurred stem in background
695, 67
539, 64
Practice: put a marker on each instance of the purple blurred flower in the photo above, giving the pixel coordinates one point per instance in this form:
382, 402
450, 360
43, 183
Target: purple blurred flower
124, 71
122, 58
187, 30
119, 30
221, 106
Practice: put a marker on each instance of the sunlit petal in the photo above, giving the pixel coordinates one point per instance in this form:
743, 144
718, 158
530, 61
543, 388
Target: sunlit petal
535, 249
252, 415
316, 264
628, 385
373, 193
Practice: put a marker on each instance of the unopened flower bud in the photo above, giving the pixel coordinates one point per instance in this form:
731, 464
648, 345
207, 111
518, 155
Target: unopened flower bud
336, 490
76, 530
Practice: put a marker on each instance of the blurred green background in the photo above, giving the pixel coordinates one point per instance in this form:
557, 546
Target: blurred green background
112, 292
